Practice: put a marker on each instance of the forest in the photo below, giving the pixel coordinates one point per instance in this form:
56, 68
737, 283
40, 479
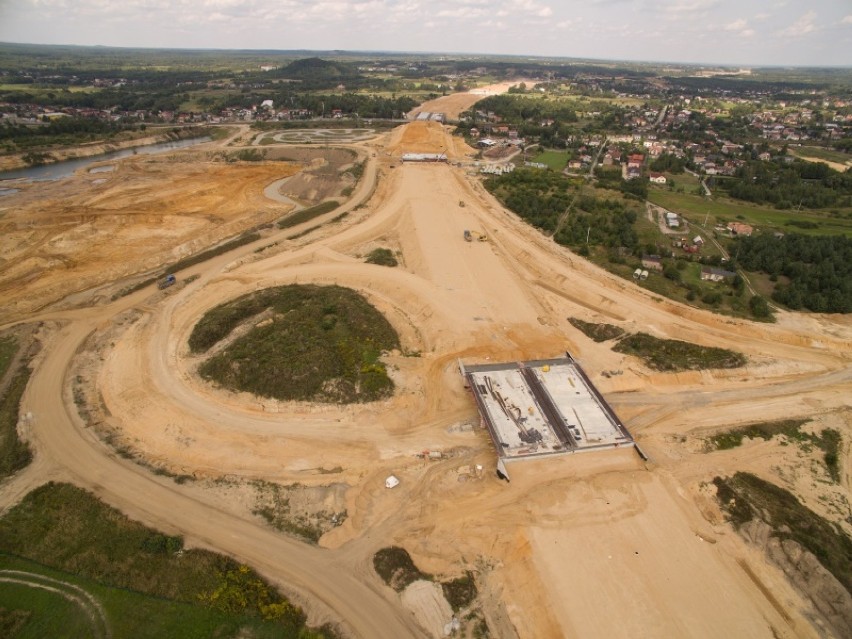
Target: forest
788, 183
812, 272
15, 137
553, 203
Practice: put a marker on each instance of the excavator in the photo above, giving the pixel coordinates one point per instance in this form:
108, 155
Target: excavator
470, 236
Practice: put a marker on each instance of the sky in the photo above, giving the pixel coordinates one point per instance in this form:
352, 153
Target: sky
731, 32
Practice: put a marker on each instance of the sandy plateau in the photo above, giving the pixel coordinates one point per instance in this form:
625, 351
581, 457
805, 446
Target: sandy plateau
592, 545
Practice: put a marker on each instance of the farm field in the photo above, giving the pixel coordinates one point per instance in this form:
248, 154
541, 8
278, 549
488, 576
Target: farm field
697, 207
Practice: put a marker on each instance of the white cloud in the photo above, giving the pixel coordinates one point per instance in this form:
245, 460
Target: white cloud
740, 27
846, 20
802, 26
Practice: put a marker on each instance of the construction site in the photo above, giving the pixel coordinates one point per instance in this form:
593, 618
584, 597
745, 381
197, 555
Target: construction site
542, 407
116, 403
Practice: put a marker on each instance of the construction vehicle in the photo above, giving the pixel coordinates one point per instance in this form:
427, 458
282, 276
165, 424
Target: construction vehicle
166, 282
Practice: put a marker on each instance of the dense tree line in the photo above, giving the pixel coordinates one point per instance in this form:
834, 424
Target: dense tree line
14, 137
611, 179
366, 106
515, 109
819, 268
543, 197
786, 184
668, 162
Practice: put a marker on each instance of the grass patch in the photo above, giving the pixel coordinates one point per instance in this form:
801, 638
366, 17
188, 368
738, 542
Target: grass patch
746, 497
65, 528
275, 506
597, 332
319, 343
306, 215
34, 613
460, 592
790, 428
821, 153
721, 209
828, 440
555, 160
307, 231
14, 454
382, 257
675, 355
135, 287
396, 568
198, 258
8, 349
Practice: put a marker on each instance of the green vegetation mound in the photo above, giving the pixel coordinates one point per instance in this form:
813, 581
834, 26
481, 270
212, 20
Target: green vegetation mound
315, 343
382, 257
306, 215
395, 566
746, 497
63, 527
597, 332
828, 440
674, 355
14, 453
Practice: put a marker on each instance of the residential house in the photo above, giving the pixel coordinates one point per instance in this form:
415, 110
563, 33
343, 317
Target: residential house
738, 228
711, 274
654, 262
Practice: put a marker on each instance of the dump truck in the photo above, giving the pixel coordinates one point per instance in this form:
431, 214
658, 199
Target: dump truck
166, 282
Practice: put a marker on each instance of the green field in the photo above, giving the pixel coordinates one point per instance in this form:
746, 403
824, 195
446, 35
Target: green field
821, 153
718, 210
33, 613
42, 91
147, 583
556, 160
8, 348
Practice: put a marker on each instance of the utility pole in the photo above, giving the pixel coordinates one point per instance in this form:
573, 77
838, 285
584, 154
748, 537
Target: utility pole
588, 231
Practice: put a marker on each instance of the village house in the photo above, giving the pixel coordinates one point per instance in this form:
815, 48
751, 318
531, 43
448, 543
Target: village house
738, 228
654, 262
657, 178
711, 274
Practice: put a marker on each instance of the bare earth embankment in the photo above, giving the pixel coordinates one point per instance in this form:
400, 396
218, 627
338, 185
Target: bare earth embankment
599, 544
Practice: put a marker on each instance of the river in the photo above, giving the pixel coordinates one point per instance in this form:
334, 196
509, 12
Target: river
67, 168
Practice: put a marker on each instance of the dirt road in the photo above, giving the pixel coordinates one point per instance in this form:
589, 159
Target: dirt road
592, 545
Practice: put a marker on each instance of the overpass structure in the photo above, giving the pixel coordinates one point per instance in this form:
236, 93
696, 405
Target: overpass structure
543, 408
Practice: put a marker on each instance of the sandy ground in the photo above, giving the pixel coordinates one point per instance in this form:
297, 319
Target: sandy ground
598, 544
455, 104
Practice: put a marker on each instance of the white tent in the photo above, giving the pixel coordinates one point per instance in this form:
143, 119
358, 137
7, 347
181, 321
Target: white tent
391, 482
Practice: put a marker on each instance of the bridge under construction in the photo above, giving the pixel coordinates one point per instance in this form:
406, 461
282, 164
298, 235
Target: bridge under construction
541, 408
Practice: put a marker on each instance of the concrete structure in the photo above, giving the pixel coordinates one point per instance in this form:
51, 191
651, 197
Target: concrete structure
542, 408
424, 157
